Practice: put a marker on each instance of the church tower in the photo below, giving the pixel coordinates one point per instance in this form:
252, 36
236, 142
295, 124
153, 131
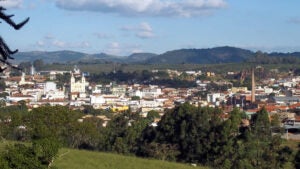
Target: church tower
83, 79
72, 80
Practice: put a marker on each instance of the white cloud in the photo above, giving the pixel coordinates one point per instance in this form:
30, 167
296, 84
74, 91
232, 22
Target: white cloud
50, 42
144, 26
49, 36
116, 48
145, 35
40, 43
143, 30
136, 51
103, 36
181, 8
11, 3
113, 48
59, 43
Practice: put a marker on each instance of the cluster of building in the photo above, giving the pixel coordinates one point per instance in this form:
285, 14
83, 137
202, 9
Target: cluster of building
278, 96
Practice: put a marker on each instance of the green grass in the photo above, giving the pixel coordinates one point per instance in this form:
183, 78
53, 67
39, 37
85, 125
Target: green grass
217, 68
79, 159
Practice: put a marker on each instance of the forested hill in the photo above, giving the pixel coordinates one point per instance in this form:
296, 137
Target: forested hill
213, 55
224, 54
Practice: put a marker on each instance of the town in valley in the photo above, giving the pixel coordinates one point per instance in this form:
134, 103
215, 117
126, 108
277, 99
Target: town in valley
280, 96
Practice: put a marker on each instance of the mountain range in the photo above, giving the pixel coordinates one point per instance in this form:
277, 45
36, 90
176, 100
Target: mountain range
225, 54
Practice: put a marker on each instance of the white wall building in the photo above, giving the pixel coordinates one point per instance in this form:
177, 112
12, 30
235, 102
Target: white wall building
49, 86
97, 99
212, 98
77, 86
151, 92
150, 103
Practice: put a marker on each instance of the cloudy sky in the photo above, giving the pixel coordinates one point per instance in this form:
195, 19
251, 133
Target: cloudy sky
122, 27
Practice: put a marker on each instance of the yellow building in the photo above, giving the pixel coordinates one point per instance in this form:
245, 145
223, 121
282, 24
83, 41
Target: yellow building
239, 89
119, 108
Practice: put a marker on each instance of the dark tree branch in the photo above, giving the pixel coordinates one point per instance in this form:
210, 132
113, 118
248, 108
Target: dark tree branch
5, 51
7, 19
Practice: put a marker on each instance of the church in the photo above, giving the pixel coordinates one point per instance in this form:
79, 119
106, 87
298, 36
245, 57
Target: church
78, 87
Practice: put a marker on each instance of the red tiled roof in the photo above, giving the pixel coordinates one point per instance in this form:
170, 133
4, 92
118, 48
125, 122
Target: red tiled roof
294, 105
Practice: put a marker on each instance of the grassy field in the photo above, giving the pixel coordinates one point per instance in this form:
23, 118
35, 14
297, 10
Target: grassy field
79, 159
217, 68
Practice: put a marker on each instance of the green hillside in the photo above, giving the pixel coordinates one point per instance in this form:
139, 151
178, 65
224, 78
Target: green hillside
79, 159
224, 54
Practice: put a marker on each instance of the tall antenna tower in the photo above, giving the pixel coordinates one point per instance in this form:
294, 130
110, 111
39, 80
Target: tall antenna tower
253, 87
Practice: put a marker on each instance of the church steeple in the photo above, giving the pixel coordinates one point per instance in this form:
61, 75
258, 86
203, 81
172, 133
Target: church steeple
72, 78
32, 70
82, 79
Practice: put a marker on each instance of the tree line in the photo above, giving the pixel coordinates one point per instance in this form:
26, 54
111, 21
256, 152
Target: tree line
265, 58
185, 133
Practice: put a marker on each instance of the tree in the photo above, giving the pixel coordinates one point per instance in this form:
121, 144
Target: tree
2, 85
114, 132
226, 144
135, 98
284, 155
19, 156
62, 79
38, 156
52, 121
261, 125
151, 115
185, 129
38, 64
5, 51
46, 149
25, 66
86, 134
297, 158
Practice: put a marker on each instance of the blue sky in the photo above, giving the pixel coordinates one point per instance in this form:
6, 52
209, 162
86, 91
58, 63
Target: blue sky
122, 27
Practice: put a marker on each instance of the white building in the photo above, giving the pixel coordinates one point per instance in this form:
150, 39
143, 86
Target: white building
23, 81
150, 103
135, 93
54, 95
77, 86
49, 86
212, 98
151, 92
97, 99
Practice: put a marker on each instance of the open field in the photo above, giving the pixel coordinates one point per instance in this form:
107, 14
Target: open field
79, 159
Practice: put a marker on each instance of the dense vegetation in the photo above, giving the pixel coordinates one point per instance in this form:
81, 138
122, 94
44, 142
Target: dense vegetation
185, 134
274, 58
215, 55
224, 54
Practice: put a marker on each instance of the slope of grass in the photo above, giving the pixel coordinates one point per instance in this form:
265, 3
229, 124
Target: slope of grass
79, 159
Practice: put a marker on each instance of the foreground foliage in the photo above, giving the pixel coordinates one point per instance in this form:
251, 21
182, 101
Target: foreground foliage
38, 156
185, 134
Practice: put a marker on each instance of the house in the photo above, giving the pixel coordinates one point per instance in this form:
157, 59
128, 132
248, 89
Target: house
20, 97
